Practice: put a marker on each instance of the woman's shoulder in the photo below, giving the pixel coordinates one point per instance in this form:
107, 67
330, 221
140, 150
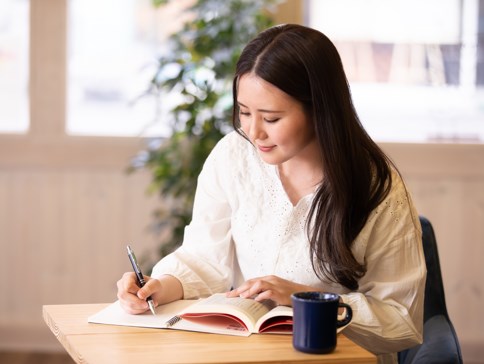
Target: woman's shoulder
398, 206
392, 221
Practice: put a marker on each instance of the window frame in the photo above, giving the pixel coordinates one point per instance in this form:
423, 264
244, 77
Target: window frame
46, 143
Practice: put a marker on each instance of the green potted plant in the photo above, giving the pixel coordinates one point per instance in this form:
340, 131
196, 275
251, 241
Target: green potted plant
199, 69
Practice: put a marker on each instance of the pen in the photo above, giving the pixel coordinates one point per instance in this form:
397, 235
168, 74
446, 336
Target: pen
139, 276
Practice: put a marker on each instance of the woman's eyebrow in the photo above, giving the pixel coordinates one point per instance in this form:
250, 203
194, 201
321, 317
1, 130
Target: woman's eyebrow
261, 110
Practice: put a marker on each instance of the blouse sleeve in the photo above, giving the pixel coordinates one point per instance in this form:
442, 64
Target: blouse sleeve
204, 262
388, 307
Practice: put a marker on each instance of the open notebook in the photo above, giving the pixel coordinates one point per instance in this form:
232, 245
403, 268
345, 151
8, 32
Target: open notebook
215, 314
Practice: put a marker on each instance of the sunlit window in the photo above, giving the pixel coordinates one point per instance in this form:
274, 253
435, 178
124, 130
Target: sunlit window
113, 52
416, 68
14, 74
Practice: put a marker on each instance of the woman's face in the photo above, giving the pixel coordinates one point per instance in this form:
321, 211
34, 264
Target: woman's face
275, 122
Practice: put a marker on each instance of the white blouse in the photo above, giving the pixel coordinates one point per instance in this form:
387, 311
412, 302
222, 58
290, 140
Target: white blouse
245, 226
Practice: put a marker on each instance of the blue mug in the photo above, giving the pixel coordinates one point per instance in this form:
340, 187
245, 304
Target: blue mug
315, 321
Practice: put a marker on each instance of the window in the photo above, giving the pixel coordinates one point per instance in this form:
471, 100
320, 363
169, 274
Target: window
14, 75
416, 68
113, 51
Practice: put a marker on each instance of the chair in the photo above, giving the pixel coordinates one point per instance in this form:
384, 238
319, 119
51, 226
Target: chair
440, 343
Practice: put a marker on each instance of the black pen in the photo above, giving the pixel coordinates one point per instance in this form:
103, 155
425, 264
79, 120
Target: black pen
139, 276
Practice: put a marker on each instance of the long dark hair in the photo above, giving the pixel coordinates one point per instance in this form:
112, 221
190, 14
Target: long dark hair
305, 64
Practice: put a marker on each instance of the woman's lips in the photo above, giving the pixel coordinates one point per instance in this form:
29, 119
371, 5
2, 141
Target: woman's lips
265, 149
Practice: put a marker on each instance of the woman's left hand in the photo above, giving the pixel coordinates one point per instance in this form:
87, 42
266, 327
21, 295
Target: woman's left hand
269, 287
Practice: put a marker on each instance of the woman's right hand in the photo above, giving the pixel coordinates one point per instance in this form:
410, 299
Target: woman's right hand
133, 298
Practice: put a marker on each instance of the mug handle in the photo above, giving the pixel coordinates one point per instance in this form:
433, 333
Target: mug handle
349, 315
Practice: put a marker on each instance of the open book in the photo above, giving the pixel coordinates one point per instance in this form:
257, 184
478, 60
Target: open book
215, 314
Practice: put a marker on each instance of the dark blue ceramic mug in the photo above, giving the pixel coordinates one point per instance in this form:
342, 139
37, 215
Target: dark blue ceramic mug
315, 321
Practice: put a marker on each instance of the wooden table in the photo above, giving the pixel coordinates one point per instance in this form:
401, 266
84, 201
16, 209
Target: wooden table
95, 343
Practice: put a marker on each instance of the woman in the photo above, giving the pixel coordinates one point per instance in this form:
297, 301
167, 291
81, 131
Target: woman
299, 198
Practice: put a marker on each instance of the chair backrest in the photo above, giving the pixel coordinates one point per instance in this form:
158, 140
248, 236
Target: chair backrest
434, 288
440, 345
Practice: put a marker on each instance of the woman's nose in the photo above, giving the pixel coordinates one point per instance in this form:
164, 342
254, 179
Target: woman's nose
256, 130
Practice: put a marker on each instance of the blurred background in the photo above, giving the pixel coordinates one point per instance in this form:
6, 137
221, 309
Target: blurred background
75, 115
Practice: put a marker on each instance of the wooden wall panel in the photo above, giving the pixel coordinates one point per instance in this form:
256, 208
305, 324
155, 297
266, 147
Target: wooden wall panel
64, 233
457, 214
